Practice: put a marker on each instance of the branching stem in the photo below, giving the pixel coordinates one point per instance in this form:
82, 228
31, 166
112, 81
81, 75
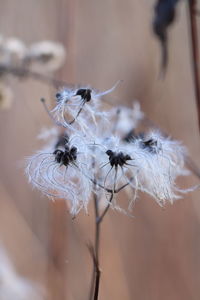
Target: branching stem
94, 290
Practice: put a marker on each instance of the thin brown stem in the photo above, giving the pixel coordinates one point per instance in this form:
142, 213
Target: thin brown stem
115, 191
96, 248
96, 271
94, 290
92, 282
106, 209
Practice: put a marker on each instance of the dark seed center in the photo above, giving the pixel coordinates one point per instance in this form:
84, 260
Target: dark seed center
117, 159
66, 156
85, 94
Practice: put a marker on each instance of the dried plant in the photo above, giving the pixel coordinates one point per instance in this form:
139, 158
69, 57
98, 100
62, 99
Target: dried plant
100, 151
100, 154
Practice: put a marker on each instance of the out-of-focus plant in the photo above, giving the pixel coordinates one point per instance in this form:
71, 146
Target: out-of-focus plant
35, 61
165, 13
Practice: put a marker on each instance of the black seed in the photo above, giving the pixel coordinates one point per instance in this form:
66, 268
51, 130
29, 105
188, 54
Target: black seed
85, 94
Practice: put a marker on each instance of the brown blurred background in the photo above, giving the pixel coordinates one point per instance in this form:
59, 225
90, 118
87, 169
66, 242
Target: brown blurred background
154, 256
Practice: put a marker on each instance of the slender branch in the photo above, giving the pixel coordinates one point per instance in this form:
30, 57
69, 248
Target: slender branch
106, 209
97, 233
95, 267
93, 280
96, 247
110, 191
94, 290
195, 51
95, 250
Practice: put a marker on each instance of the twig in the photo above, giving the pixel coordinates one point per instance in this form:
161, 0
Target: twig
106, 209
94, 290
96, 248
110, 191
195, 51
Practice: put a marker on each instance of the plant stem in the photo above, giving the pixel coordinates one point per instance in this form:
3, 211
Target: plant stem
94, 290
195, 51
96, 247
106, 209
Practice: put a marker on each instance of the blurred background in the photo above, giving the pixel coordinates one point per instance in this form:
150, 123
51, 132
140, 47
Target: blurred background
154, 256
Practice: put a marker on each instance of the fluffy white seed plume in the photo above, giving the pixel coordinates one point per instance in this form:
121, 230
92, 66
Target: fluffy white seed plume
12, 50
159, 161
48, 133
125, 119
111, 168
95, 156
62, 171
82, 104
12, 286
46, 55
15, 48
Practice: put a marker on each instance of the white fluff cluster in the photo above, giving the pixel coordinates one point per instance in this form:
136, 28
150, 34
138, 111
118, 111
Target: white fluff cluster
159, 161
20, 60
99, 152
82, 105
46, 56
12, 50
126, 119
43, 56
65, 179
